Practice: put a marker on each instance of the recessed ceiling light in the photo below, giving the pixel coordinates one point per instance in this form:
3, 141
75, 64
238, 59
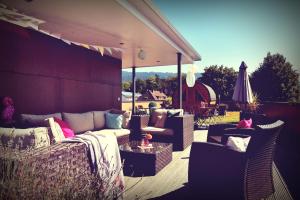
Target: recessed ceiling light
142, 54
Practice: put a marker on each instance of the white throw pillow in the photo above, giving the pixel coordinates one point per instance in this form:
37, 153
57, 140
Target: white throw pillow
57, 133
238, 143
30, 138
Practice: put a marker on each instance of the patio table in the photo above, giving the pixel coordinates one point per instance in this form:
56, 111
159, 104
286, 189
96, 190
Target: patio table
145, 161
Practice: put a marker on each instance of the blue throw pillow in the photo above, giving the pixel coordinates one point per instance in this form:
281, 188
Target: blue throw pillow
113, 121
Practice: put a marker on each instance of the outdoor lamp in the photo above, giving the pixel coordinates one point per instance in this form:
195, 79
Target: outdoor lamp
190, 77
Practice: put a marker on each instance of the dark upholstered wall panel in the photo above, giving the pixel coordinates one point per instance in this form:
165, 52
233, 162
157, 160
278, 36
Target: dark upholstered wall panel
43, 74
30, 93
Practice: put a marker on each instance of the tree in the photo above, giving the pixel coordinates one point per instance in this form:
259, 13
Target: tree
151, 83
222, 79
126, 86
275, 80
169, 85
140, 86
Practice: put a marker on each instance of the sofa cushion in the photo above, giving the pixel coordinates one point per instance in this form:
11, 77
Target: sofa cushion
160, 121
99, 119
126, 116
155, 113
126, 119
174, 112
157, 131
238, 143
66, 129
30, 120
245, 123
113, 121
57, 134
80, 122
25, 138
116, 132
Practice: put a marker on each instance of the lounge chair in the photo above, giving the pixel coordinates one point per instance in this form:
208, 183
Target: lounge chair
216, 131
219, 172
177, 129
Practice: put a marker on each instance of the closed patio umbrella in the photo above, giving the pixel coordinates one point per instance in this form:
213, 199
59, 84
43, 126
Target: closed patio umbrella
242, 90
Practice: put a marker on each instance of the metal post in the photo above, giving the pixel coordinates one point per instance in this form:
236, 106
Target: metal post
133, 90
179, 79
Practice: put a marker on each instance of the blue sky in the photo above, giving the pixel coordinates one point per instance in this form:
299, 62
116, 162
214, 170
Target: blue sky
228, 32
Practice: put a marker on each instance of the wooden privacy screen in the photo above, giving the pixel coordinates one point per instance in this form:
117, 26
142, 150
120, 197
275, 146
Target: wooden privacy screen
45, 75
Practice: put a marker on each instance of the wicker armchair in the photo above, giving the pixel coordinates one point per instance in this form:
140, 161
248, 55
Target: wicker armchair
181, 126
217, 172
216, 131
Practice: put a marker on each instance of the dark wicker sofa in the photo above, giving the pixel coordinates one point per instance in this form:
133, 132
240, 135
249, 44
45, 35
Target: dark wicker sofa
181, 126
61, 170
58, 171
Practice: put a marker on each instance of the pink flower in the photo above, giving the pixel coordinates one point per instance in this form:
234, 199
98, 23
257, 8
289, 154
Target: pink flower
7, 101
8, 110
7, 113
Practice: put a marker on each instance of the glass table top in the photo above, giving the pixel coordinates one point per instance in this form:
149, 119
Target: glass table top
136, 147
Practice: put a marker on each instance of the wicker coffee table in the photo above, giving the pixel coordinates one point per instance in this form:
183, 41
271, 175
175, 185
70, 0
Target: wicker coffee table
145, 161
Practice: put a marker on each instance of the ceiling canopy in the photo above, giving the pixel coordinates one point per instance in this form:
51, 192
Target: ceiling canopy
135, 28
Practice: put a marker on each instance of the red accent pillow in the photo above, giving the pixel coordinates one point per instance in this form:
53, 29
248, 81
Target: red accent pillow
245, 123
68, 132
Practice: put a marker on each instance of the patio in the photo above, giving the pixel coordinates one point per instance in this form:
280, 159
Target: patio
72, 72
170, 182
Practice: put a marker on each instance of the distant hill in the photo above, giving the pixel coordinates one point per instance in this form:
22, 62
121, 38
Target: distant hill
127, 76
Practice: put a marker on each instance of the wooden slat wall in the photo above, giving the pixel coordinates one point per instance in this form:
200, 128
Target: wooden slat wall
45, 75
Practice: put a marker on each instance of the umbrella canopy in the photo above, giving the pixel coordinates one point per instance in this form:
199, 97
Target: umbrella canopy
242, 90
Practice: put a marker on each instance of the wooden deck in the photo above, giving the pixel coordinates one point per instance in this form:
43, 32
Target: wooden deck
170, 182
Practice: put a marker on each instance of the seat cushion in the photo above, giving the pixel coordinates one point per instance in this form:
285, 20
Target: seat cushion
25, 138
80, 122
157, 131
116, 132
30, 120
99, 119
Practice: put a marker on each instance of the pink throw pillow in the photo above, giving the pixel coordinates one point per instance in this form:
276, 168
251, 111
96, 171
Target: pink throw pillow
68, 132
160, 123
245, 123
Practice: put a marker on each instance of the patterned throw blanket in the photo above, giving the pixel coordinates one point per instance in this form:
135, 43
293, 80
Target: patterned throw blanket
105, 160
